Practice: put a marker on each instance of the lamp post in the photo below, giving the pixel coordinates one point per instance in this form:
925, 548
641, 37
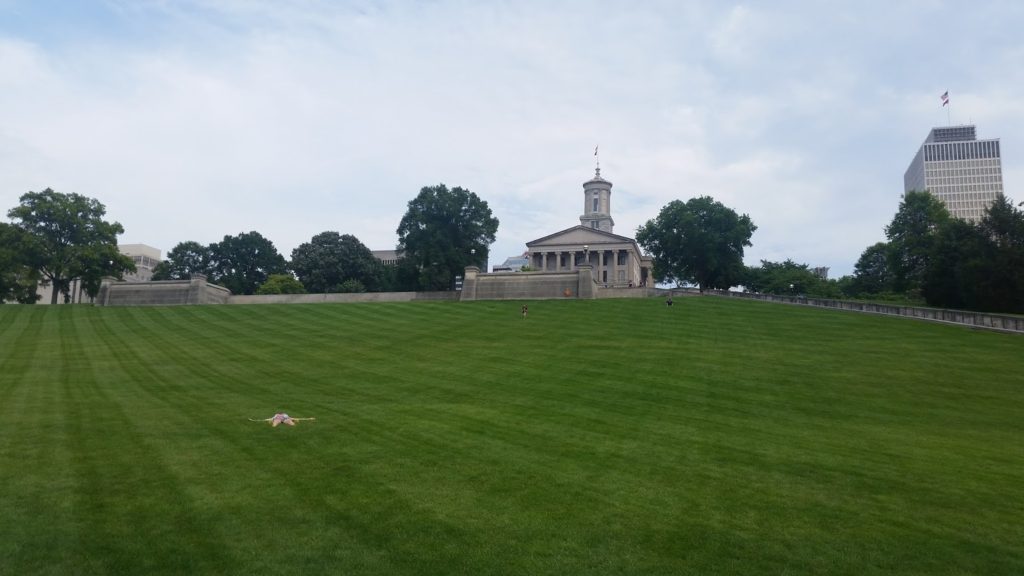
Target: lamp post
472, 256
586, 254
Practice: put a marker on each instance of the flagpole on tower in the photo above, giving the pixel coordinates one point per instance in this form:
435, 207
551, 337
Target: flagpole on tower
945, 104
597, 159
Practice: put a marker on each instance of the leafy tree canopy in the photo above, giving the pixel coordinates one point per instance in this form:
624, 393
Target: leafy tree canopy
958, 274
329, 259
1004, 224
281, 284
700, 242
1003, 228
68, 239
951, 263
184, 260
871, 274
241, 263
787, 278
402, 276
912, 234
351, 286
17, 278
443, 231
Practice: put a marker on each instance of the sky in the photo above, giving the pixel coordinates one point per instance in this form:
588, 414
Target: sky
195, 119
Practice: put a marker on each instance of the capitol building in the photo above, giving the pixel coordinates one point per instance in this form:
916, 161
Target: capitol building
616, 261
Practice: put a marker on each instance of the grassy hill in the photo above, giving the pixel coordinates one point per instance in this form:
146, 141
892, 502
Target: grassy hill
594, 437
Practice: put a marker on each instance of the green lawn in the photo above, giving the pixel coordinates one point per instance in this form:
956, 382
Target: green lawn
594, 437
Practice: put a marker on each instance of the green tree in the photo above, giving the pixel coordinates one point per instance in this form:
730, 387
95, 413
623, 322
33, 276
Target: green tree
786, 278
1003, 226
329, 259
69, 239
241, 263
281, 284
17, 277
184, 260
958, 273
700, 241
402, 276
912, 234
351, 286
871, 274
844, 285
443, 231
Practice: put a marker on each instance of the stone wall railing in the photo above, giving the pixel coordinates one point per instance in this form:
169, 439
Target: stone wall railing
624, 291
1001, 322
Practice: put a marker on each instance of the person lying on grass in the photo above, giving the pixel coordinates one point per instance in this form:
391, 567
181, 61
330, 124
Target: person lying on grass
282, 418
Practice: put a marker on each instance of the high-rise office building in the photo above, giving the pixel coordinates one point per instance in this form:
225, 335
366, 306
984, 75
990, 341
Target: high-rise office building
963, 172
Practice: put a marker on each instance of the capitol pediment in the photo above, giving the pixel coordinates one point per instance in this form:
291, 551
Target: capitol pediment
579, 235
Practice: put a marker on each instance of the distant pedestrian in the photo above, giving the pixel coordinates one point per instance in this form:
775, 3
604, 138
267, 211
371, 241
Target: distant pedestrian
668, 301
525, 310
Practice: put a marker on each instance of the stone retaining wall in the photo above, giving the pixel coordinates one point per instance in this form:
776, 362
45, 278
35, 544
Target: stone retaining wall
344, 298
525, 285
161, 293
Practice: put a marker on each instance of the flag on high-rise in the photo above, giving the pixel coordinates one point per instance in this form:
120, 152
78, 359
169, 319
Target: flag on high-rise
945, 97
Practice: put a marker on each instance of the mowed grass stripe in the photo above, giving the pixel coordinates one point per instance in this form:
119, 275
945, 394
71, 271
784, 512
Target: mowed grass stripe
130, 499
592, 437
35, 453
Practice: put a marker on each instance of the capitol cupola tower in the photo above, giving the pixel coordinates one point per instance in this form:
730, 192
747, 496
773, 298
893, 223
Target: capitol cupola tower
597, 203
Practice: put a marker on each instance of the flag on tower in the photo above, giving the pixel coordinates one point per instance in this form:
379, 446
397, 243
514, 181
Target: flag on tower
595, 150
945, 97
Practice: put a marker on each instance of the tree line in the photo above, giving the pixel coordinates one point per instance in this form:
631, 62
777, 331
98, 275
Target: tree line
56, 238
928, 258
947, 262
443, 231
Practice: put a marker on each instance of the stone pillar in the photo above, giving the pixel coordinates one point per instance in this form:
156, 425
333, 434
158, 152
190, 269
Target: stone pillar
585, 281
196, 289
103, 296
469, 281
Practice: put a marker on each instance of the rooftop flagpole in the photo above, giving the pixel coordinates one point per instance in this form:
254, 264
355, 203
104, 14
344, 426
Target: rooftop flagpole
597, 159
945, 104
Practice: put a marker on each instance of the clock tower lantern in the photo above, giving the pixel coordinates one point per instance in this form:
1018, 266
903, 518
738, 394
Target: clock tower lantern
597, 203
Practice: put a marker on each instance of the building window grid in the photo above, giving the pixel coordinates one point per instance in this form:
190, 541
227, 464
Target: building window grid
960, 170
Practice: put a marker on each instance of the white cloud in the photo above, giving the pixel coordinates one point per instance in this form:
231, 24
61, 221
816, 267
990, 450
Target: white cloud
201, 119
